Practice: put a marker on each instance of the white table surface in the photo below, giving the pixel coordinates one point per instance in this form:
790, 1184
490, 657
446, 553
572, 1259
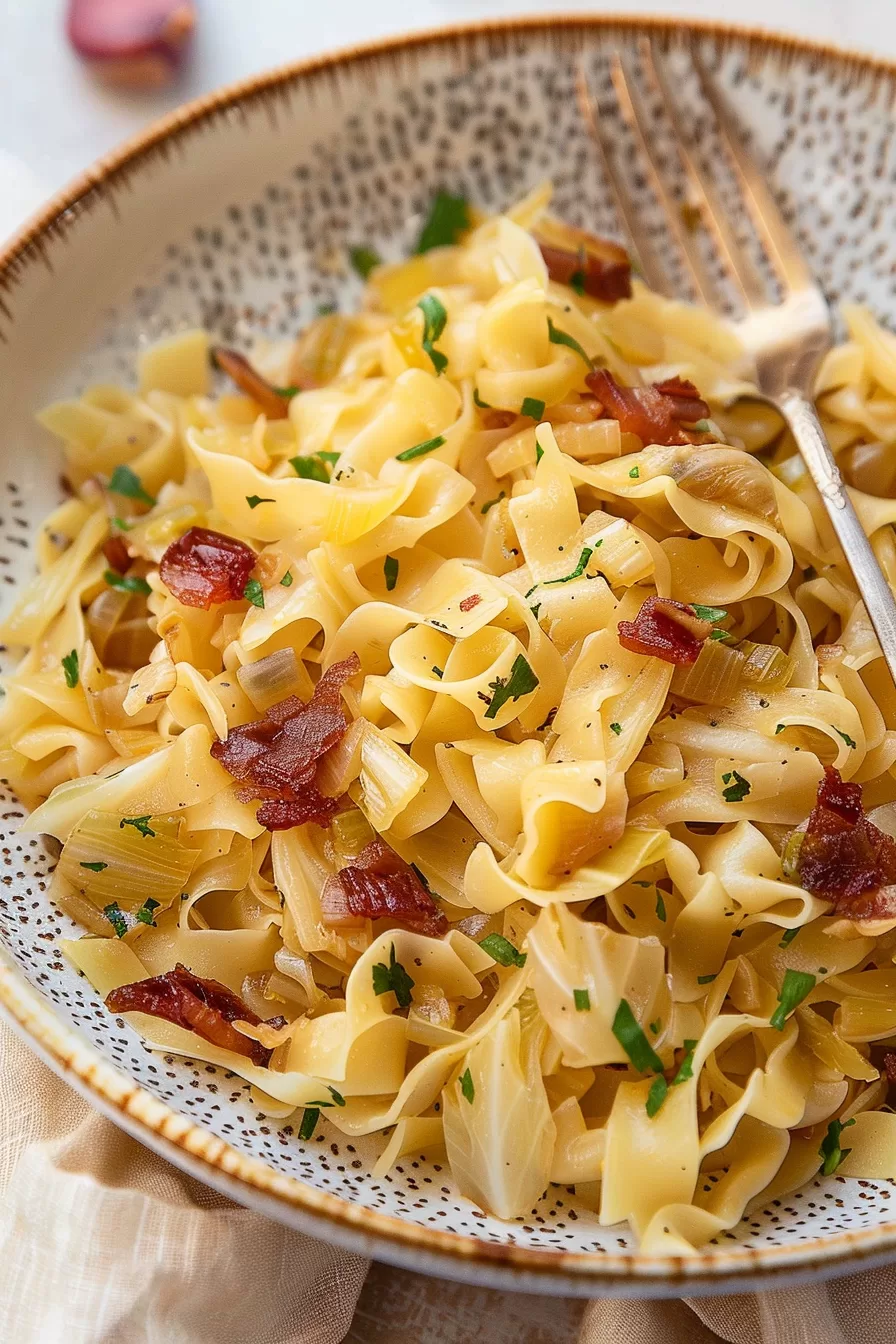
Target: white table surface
54, 121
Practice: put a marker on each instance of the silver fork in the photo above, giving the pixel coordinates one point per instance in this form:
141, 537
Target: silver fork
787, 338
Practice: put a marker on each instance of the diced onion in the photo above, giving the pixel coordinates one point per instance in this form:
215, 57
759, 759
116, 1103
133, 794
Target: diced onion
341, 765
791, 856
350, 833
149, 684
103, 614
714, 678
271, 679
389, 779
294, 967
138, 865
767, 667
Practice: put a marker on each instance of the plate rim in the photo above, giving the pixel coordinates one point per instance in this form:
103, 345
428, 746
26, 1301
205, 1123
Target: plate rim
250, 1181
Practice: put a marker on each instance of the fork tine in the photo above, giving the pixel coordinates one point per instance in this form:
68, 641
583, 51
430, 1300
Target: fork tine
780, 244
654, 273
635, 114
737, 264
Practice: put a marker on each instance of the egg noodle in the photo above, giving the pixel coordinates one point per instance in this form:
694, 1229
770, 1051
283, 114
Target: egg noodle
631, 992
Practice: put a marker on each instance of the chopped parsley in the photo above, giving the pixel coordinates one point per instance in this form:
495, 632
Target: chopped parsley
521, 681
449, 217
628, 1033
656, 1026
337, 1099
309, 1122
438, 672
532, 407
466, 1086
120, 524
390, 572
363, 260
539, 452
434, 319
394, 977
286, 581
582, 1000
145, 914
737, 791
846, 737
634, 473
711, 614
616, 728
140, 824
719, 634
502, 950
657, 1095
788, 937
477, 401
254, 500
794, 988
287, 393
490, 503
310, 468
660, 907
577, 573
706, 979
124, 481
70, 668
127, 583
254, 593
116, 919
420, 449
830, 1152
558, 337
780, 728
98, 867
686, 1068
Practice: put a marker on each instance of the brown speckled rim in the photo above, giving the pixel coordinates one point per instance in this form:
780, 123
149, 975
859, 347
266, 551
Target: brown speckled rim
248, 1180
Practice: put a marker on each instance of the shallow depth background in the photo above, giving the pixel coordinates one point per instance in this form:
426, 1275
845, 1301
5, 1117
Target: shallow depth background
54, 121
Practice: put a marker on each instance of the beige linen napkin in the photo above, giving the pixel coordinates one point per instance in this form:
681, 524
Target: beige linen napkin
103, 1242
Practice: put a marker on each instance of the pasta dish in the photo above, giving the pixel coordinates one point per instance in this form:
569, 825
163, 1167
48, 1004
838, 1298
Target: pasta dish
460, 723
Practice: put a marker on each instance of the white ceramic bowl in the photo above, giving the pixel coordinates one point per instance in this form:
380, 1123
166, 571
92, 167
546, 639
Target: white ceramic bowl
233, 212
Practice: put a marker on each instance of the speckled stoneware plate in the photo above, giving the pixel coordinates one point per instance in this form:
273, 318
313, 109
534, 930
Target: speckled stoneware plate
235, 212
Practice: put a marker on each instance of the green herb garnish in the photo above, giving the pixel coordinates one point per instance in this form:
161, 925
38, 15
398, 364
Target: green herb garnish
420, 449
310, 468
286, 581
532, 407
254, 593
477, 401
582, 1000
660, 907
434, 319
116, 919
145, 914
127, 583
140, 824
788, 937
686, 1068
70, 668
254, 500
616, 728
830, 1152
490, 503
309, 1122
120, 524
449, 216
657, 1095
794, 988
394, 977
737, 791
502, 950
124, 481
846, 737
711, 614
363, 260
706, 979
466, 1086
634, 473
287, 393
98, 867
558, 337
390, 572
521, 681
628, 1033
567, 578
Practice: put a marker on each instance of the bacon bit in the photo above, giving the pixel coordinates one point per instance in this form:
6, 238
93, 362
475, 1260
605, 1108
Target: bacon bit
116, 553
845, 858
890, 1066
204, 567
380, 885
603, 268
203, 1006
655, 412
250, 381
468, 603
277, 756
666, 629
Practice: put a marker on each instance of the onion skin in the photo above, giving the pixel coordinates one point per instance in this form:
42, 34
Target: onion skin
132, 43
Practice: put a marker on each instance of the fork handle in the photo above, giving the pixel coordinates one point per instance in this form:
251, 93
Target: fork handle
870, 579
